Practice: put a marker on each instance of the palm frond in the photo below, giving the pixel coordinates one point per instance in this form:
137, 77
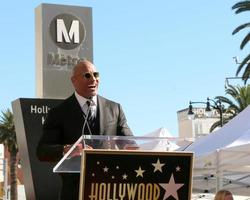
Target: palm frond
240, 4
238, 101
232, 90
240, 10
245, 41
224, 100
246, 73
246, 60
8, 138
215, 125
239, 28
7, 130
241, 7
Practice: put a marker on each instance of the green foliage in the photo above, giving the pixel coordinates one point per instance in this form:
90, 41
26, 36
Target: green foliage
240, 7
239, 99
7, 131
8, 138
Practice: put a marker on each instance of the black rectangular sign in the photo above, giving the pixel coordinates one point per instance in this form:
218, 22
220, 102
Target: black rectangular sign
39, 180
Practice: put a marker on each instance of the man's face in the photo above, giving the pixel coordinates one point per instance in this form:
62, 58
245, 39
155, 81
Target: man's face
85, 80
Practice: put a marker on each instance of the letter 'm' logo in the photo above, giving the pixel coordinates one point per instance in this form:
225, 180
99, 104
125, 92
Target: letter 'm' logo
62, 31
67, 31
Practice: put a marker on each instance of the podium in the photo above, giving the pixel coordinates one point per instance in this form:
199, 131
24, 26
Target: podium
129, 167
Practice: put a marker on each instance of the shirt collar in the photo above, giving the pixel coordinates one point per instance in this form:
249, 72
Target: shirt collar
82, 100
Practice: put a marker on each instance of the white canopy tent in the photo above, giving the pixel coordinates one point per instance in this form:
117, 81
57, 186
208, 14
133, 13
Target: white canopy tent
168, 142
222, 159
223, 137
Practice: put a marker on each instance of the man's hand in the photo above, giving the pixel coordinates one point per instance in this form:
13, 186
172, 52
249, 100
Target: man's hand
131, 147
76, 152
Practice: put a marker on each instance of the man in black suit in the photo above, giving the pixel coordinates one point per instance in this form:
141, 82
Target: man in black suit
64, 123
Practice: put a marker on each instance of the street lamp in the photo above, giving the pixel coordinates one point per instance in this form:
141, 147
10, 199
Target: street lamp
215, 105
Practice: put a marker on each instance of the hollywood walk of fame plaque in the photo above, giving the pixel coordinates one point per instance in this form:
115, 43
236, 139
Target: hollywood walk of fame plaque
145, 175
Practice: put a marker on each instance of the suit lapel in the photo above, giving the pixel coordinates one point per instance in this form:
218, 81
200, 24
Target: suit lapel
76, 114
102, 108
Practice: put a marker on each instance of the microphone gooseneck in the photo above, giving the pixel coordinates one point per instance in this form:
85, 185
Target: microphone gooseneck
86, 116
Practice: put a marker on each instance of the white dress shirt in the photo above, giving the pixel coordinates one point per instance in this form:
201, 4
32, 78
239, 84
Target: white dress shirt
83, 103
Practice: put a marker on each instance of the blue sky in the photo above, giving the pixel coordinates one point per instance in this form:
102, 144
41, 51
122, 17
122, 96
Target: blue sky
154, 56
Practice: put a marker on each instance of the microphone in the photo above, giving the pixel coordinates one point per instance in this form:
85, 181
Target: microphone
88, 112
81, 139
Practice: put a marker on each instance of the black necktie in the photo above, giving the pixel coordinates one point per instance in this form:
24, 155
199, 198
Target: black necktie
90, 113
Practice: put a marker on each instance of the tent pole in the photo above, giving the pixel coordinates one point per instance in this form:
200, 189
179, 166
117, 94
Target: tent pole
219, 173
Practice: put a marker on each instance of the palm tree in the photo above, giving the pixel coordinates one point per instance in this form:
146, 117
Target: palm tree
8, 138
240, 100
239, 8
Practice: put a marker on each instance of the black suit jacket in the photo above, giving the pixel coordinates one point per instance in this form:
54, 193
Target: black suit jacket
63, 125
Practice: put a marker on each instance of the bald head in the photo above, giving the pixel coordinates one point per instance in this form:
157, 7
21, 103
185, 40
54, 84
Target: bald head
83, 64
84, 80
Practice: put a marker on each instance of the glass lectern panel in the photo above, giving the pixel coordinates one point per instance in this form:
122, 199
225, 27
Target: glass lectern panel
72, 164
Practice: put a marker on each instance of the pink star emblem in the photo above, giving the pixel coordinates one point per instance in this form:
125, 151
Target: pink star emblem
171, 188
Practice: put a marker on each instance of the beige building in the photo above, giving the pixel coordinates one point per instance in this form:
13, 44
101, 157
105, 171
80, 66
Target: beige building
199, 125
